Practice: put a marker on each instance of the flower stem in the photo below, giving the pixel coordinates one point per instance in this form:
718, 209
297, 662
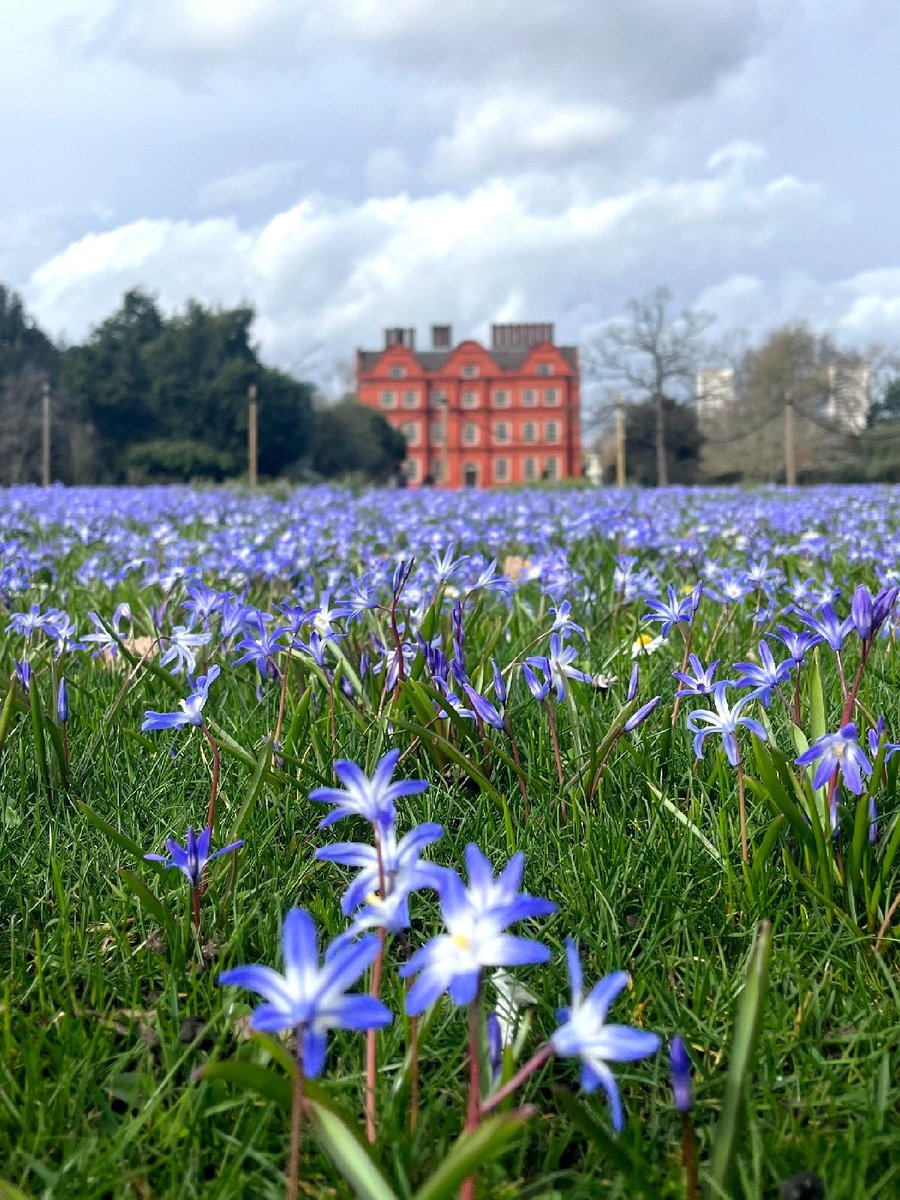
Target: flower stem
521, 775
473, 1111
195, 908
371, 1050
534, 1063
414, 1072
742, 810
293, 1175
554, 737
689, 1156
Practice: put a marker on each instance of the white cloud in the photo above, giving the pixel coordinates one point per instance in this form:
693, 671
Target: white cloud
248, 186
521, 130
585, 46
334, 273
859, 310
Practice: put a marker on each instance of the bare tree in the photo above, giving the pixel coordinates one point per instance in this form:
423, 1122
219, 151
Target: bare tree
653, 356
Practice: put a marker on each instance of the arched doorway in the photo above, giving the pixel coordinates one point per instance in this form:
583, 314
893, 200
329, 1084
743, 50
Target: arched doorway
470, 475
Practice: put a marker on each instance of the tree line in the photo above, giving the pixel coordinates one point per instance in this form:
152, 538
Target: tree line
150, 398
797, 396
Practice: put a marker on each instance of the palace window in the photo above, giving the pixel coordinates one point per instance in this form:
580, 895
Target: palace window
388, 399
470, 434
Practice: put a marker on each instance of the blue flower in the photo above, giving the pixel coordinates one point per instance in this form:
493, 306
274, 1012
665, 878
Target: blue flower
839, 752
399, 867
584, 1034
797, 644
62, 700
373, 799
700, 683
724, 721
672, 613
182, 644
764, 676
312, 998
557, 666
191, 859
192, 707
264, 648
827, 625
476, 919
539, 688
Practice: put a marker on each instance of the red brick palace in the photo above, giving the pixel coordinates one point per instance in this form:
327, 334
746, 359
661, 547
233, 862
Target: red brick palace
477, 417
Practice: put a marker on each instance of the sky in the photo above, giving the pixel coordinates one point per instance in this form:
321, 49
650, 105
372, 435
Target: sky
346, 165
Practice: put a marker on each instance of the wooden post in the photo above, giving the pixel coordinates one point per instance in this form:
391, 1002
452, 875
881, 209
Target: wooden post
790, 446
45, 433
620, 443
252, 441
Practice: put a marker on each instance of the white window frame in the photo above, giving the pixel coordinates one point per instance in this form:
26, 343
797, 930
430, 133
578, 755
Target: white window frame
436, 432
411, 399
526, 426
529, 469
410, 431
387, 400
396, 372
438, 399
545, 368
470, 441
551, 467
529, 398
500, 398
504, 438
469, 371
551, 432
501, 476
551, 397
469, 400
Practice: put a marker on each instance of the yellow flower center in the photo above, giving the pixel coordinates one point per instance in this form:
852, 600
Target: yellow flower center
461, 941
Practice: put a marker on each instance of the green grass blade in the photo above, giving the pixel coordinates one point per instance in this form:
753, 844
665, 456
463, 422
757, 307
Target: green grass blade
743, 1046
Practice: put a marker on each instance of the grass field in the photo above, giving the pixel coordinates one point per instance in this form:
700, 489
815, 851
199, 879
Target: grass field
111, 1010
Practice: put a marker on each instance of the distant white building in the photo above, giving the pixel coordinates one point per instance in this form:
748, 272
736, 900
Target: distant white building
849, 394
715, 397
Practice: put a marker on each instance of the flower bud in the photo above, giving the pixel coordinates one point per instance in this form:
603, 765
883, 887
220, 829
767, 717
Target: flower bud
494, 1046
62, 701
633, 684
681, 1070
642, 714
861, 612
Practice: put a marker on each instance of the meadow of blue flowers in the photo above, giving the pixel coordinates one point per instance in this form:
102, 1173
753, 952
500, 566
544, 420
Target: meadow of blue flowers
423, 844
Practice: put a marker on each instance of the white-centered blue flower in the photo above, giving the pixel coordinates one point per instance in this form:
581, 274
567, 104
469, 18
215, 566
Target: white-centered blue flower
191, 707
311, 996
476, 919
725, 721
371, 798
399, 871
585, 1034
